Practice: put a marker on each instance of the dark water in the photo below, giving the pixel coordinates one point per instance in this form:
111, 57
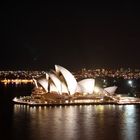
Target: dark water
91, 122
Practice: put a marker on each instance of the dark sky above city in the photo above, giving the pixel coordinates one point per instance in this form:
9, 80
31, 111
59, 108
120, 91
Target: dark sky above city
74, 35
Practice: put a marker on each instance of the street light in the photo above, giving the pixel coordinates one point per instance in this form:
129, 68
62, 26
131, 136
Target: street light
132, 88
130, 82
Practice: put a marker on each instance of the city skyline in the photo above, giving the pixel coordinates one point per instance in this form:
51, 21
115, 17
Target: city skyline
40, 35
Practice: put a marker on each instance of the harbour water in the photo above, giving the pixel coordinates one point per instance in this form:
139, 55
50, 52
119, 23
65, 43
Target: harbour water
85, 122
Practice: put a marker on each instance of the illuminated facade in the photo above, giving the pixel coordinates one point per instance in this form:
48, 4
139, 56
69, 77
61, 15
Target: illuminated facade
86, 85
63, 81
111, 90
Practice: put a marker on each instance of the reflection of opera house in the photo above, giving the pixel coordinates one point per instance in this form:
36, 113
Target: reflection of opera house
61, 87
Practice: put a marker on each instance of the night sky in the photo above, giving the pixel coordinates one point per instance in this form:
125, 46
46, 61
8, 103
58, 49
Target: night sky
74, 35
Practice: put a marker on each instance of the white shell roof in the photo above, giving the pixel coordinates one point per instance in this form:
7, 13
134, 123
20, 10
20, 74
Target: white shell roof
69, 78
44, 83
63, 81
35, 81
53, 88
86, 85
56, 82
111, 89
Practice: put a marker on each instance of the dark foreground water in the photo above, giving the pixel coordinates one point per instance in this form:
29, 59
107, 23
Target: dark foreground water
91, 122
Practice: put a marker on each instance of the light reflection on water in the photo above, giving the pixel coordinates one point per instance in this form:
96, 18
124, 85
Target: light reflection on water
129, 123
99, 122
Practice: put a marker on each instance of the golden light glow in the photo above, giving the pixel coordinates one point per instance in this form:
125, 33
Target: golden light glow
16, 81
96, 89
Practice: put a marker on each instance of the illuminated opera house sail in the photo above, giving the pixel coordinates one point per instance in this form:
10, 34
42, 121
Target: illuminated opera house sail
60, 87
62, 81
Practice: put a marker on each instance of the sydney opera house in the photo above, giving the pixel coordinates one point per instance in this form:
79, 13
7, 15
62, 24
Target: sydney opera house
62, 81
60, 86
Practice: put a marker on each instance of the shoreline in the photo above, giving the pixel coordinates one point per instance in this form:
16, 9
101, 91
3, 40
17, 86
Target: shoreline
73, 104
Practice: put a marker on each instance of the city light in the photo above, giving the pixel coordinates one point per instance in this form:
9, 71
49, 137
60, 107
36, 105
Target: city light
130, 82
